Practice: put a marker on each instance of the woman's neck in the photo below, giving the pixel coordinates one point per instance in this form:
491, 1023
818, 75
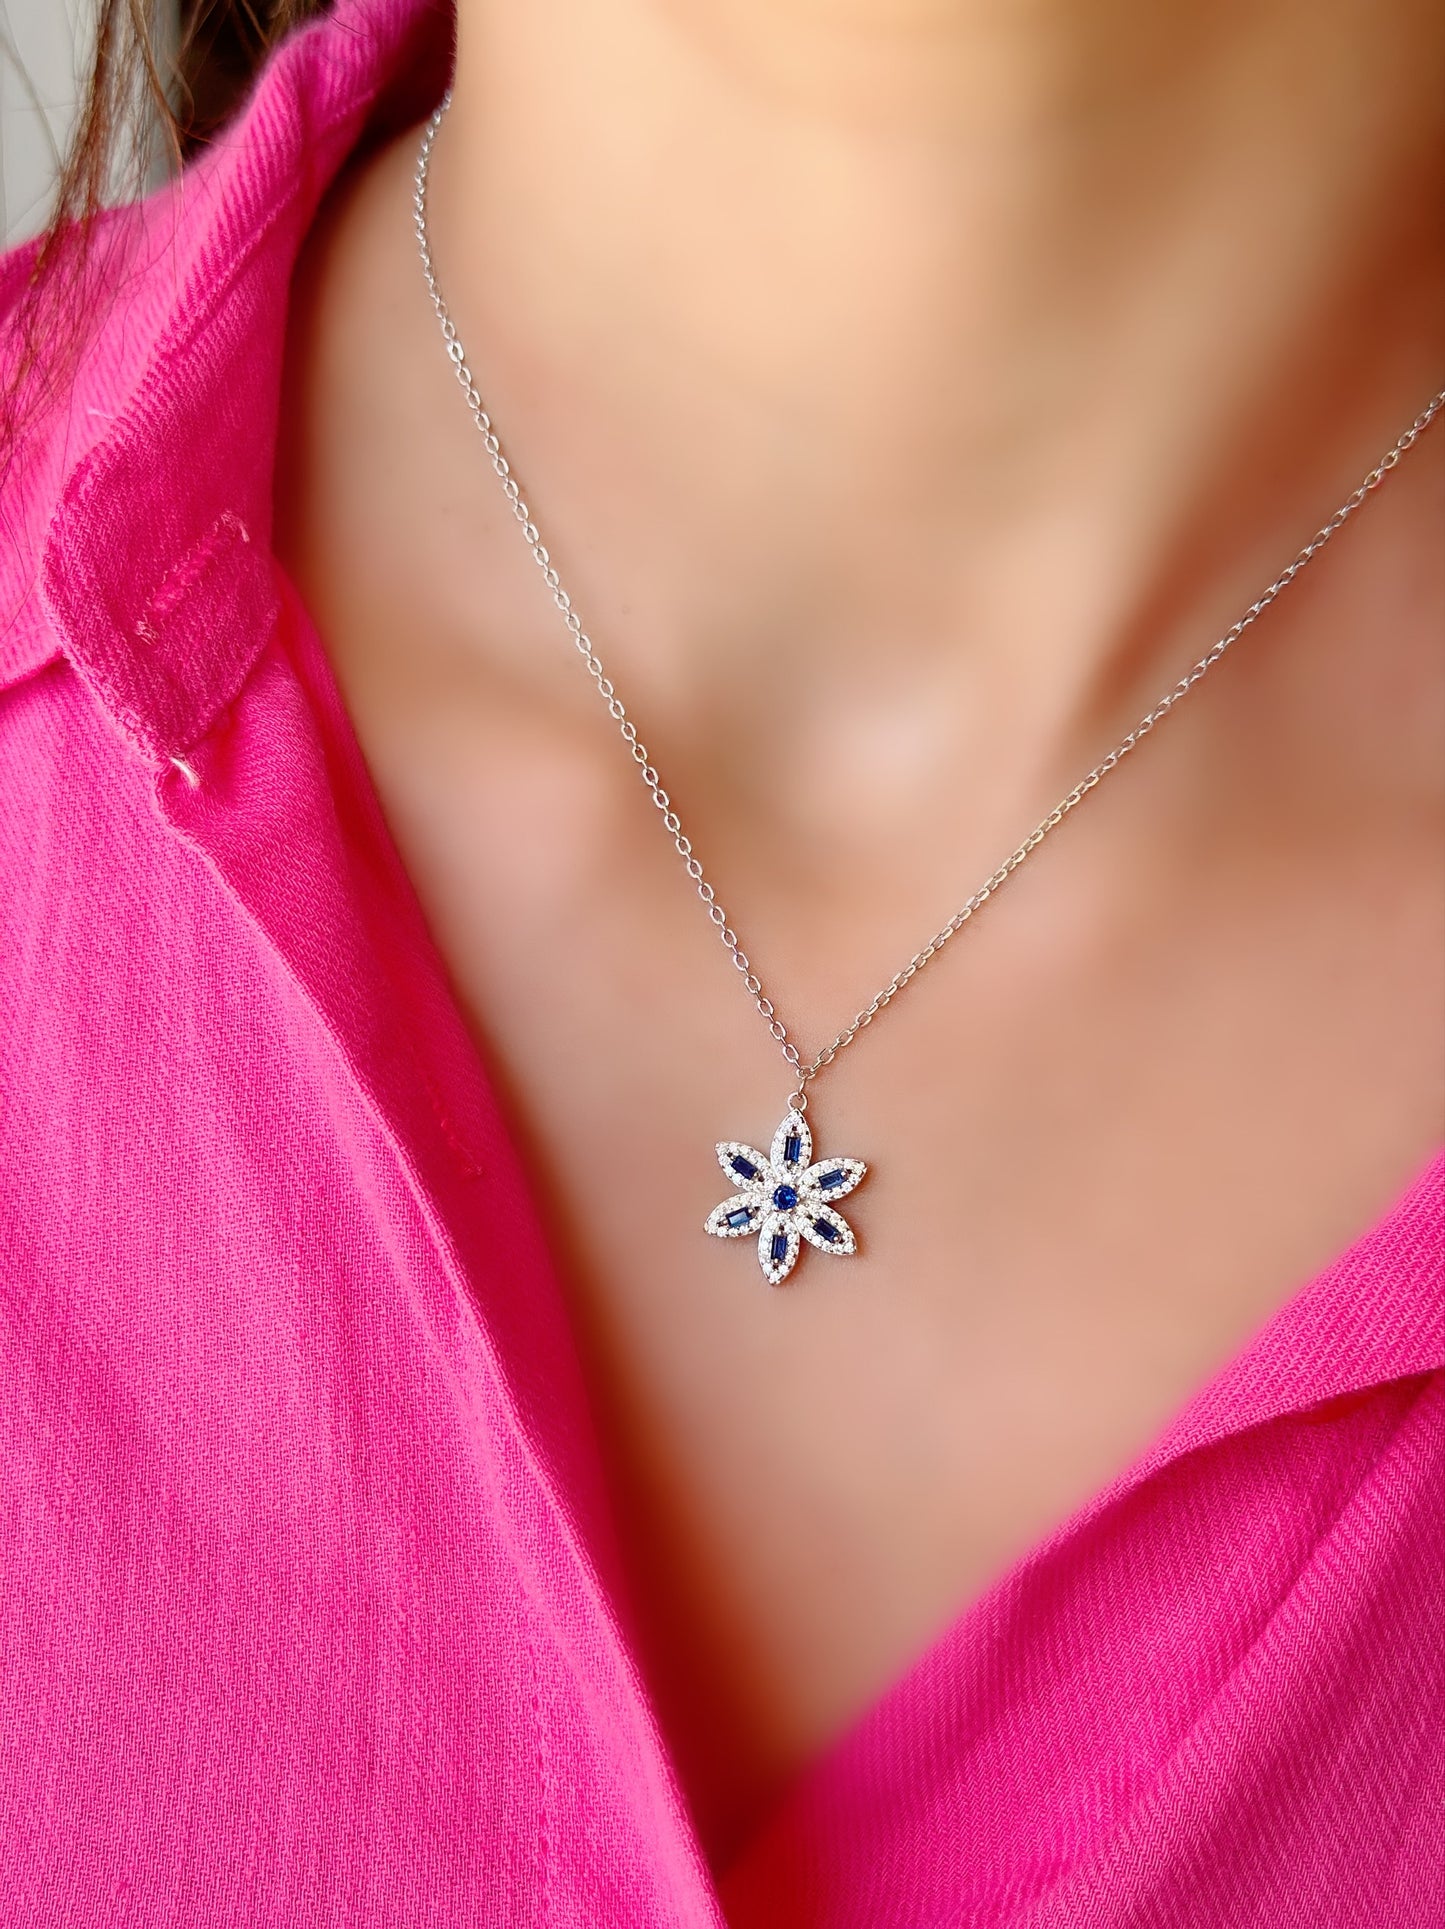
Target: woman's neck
1038, 317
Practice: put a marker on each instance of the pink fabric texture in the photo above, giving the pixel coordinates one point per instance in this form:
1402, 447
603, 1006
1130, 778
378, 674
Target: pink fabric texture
310, 1610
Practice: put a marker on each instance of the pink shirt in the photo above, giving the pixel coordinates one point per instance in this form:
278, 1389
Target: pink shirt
311, 1612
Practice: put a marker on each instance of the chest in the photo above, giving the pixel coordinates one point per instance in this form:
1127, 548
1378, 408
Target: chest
1110, 1131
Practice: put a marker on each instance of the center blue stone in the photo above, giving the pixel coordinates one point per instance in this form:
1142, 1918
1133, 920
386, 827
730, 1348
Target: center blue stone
785, 1198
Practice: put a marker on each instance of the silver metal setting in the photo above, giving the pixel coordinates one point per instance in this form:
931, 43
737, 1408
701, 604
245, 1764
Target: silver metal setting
785, 1197
806, 1070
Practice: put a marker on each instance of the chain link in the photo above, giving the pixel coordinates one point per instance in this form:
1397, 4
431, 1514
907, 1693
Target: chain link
808, 1071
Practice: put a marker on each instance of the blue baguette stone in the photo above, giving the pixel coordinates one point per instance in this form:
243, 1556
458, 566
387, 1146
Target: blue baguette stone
744, 1168
824, 1230
792, 1149
779, 1251
743, 1217
834, 1178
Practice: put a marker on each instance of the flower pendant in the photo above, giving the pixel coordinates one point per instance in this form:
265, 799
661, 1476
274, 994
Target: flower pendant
785, 1197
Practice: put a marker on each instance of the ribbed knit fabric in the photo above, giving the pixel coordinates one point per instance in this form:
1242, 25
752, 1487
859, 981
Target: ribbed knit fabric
310, 1608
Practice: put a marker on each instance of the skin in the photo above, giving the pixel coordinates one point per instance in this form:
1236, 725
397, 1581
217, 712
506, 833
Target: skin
908, 393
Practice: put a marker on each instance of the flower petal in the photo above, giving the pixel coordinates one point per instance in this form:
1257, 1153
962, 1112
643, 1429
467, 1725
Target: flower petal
792, 1136
829, 1231
742, 1207
846, 1174
778, 1247
744, 1164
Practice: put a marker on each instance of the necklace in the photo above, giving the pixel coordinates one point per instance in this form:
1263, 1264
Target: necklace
784, 1198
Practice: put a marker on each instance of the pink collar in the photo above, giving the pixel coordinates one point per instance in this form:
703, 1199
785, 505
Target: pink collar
155, 572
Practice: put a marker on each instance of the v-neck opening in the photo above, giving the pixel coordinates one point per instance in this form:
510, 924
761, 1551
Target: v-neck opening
1309, 1351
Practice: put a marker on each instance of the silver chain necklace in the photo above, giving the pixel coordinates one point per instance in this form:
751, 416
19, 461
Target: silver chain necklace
784, 1197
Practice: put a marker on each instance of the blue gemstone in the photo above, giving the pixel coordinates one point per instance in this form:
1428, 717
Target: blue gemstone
744, 1168
792, 1149
779, 1249
833, 1178
824, 1230
736, 1220
785, 1198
